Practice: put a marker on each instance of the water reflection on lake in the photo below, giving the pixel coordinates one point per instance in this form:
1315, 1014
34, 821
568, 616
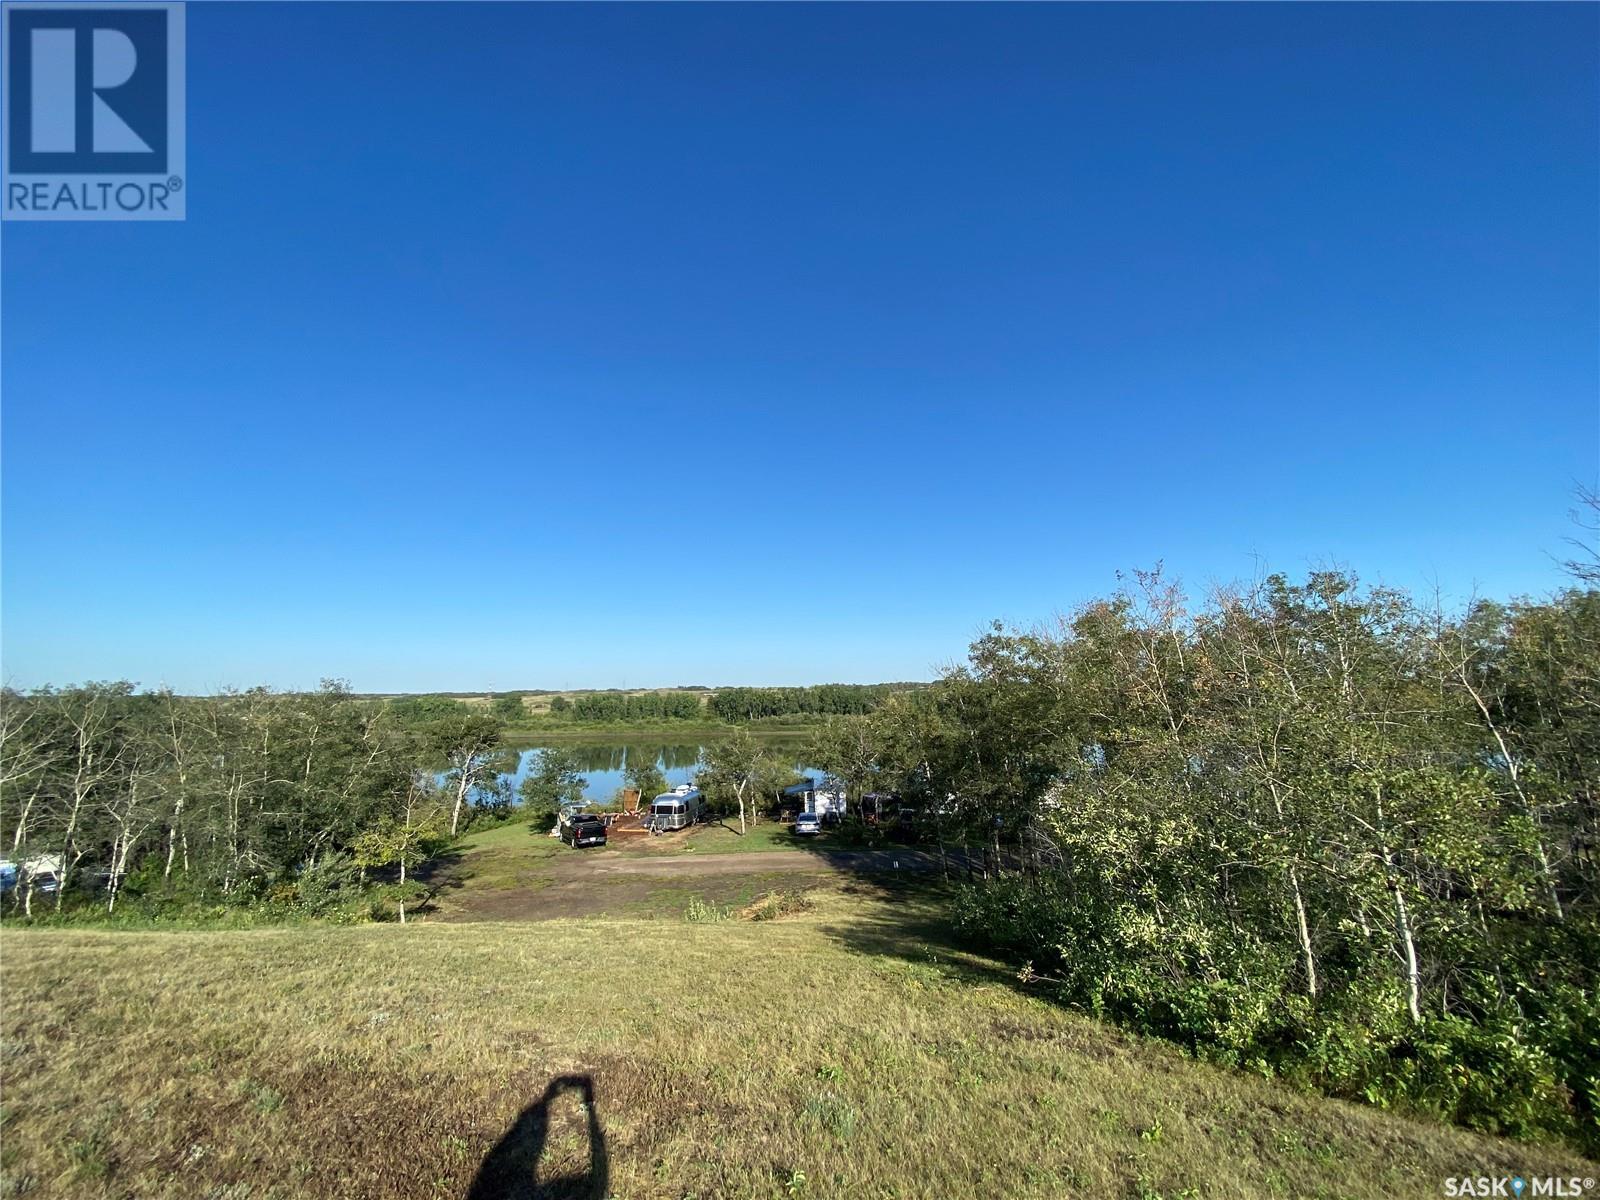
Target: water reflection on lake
602, 764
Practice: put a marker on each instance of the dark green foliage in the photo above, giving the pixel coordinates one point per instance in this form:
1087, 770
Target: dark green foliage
645, 777
741, 704
324, 884
738, 705
615, 706
159, 804
509, 708
1309, 829
555, 784
420, 710
1522, 1067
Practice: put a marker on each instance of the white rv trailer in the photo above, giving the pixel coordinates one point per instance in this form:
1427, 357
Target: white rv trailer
828, 801
677, 809
822, 799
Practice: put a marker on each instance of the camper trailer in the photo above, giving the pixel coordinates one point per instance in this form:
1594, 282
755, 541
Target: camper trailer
827, 801
677, 809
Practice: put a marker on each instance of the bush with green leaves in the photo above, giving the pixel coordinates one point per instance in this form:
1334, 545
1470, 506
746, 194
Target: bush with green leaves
1523, 1070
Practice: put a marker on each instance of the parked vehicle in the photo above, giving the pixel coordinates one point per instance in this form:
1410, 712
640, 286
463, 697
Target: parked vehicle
43, 872
584, 829
807, 824
818, 798
678, 809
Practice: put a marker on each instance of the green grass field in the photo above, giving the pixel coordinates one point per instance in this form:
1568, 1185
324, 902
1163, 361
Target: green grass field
846, 1051
724, 838
515, 846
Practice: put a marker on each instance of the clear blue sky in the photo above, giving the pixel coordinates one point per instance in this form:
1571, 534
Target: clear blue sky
544, 346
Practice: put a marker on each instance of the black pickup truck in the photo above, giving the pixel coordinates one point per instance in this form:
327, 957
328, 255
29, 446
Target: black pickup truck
583, 829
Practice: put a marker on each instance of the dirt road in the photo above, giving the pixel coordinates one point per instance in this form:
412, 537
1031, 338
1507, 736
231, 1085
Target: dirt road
624, 882
857, 862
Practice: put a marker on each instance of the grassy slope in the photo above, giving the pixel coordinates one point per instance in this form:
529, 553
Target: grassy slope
726, 1057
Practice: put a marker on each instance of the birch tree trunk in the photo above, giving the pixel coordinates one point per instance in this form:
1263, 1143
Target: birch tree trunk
1402, 920
462, 785
1409, 946
1305, 933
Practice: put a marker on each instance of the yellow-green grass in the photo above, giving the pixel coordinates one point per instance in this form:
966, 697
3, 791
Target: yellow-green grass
724, 838
511, 856
831, 1054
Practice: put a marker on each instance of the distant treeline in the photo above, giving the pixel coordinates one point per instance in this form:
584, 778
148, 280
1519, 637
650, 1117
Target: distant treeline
823, 700
736, 705
733, 705
612, 706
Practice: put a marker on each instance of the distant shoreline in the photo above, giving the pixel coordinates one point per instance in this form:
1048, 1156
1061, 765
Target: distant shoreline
607, 732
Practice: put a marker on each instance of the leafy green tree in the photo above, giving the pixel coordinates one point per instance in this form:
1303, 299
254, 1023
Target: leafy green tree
848, 749
415, 833
396, 843
421, 710
554, 785
469, 743
737, 770
644, 776
509, 708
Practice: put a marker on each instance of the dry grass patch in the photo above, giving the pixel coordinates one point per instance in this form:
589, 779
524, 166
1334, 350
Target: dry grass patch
767, 1059
775, 905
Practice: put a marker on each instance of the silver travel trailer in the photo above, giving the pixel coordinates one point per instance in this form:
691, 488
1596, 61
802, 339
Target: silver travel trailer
677, 809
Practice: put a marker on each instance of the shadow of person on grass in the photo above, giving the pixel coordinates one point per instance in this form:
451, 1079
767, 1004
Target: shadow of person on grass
511, 1170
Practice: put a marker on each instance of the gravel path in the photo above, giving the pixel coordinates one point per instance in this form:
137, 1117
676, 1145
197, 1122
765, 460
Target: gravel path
854, 861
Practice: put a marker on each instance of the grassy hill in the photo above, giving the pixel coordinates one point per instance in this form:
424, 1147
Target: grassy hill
842, 1052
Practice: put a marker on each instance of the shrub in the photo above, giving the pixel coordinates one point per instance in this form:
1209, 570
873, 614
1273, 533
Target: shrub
328, 882
701, 911
1522, 1069
773, 905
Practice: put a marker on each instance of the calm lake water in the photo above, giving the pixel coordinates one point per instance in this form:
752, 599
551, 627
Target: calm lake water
603, 763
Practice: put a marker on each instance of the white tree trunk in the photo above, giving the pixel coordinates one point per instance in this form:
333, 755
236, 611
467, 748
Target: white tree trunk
120, 850
462, 785
22, 823
1409, 946
1305, 933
